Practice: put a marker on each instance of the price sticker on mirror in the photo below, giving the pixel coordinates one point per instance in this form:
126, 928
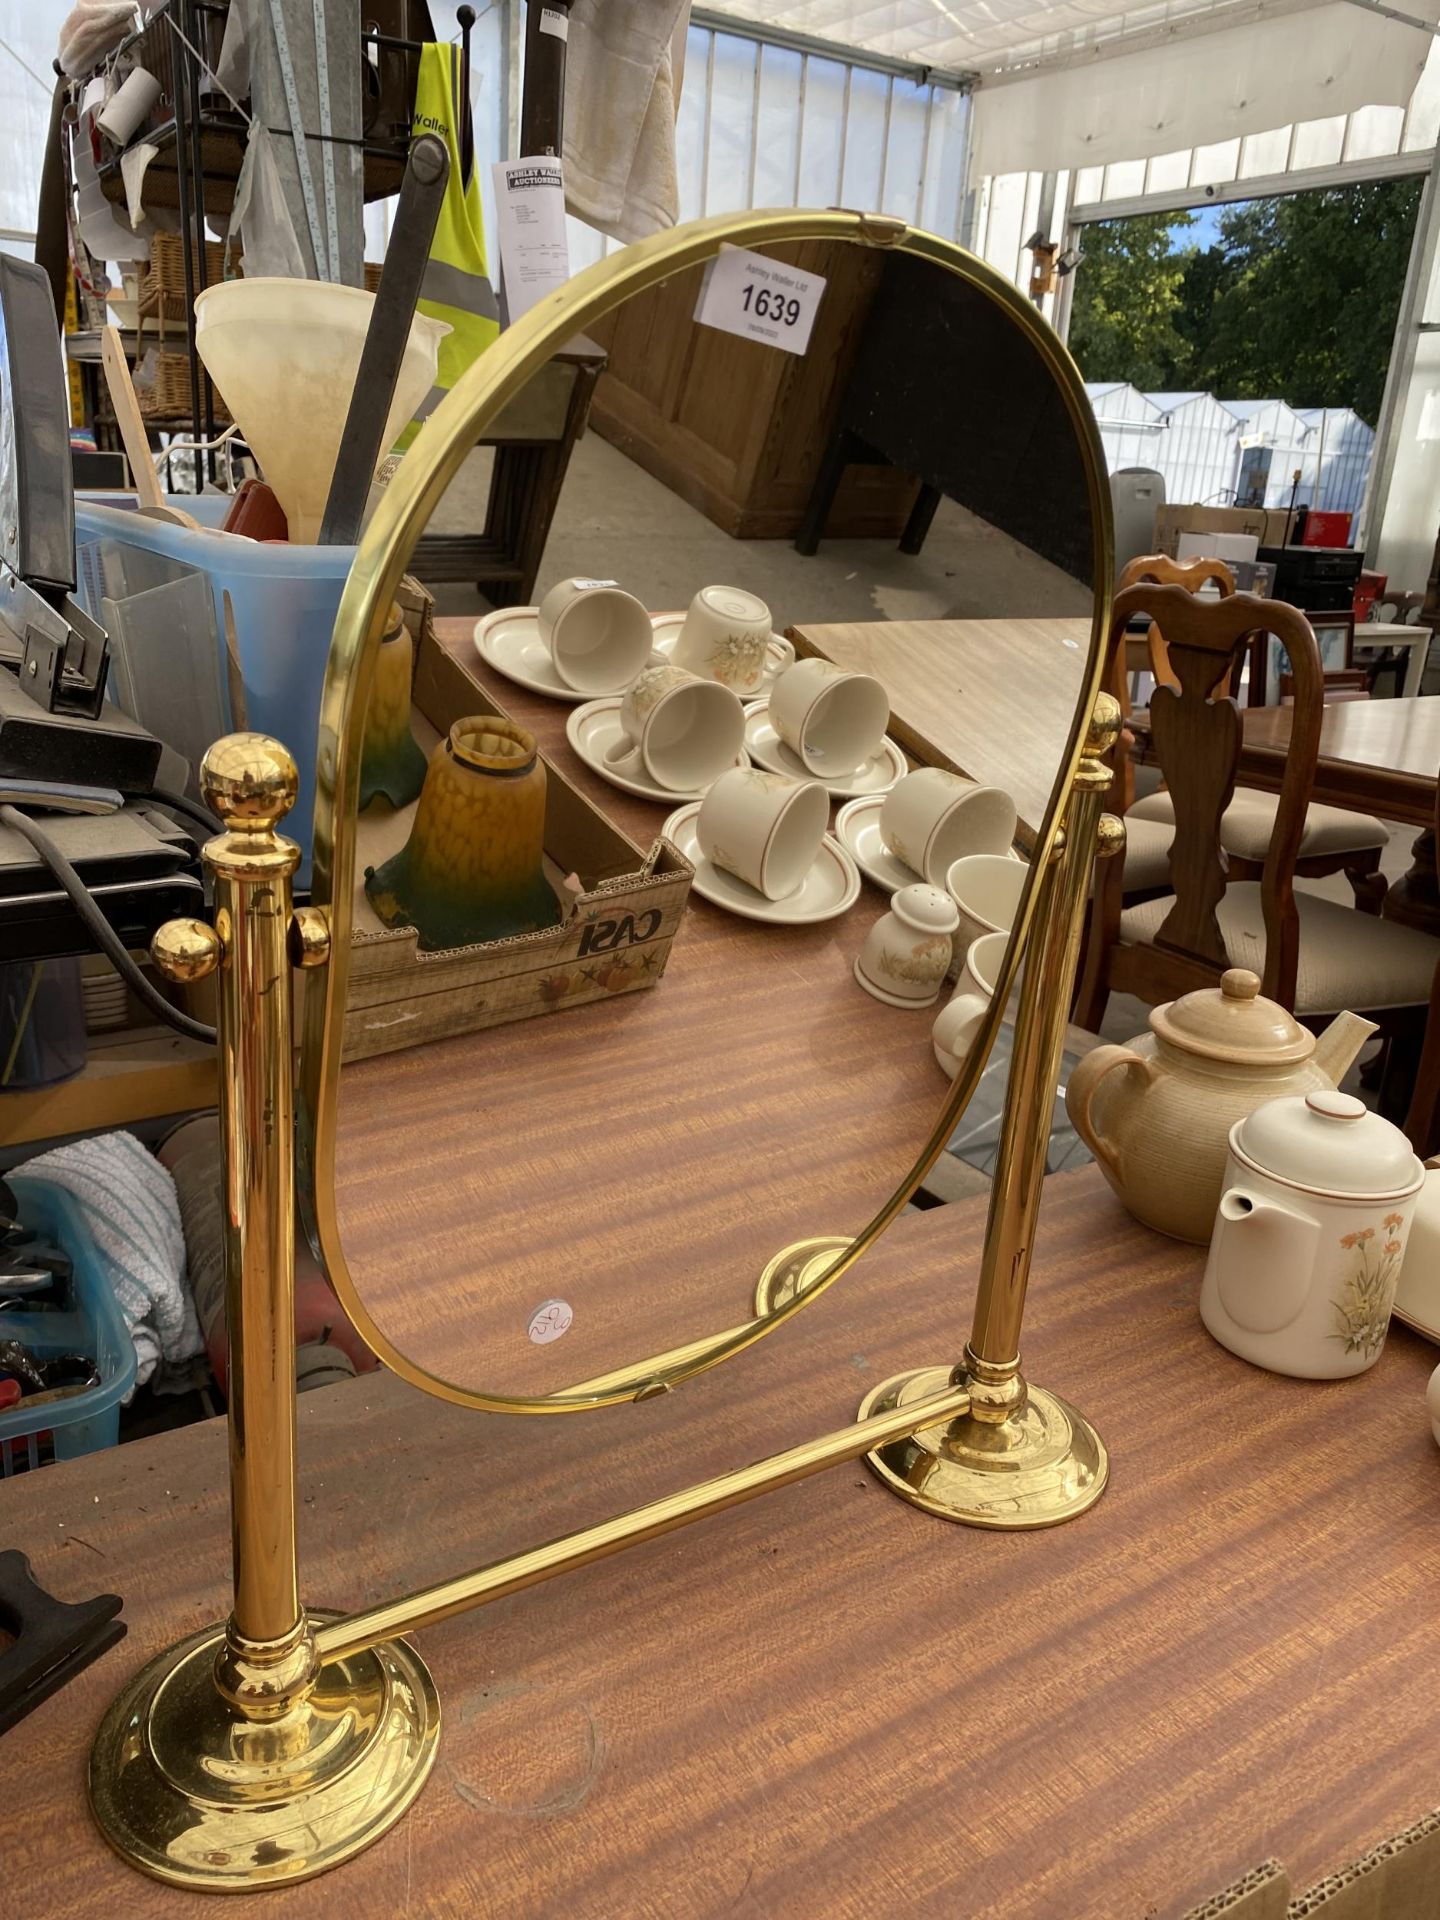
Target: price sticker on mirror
760, 299
549, 1320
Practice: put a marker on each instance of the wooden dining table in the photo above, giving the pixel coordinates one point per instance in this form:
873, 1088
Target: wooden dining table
993, 699
827, 1704
1376, 756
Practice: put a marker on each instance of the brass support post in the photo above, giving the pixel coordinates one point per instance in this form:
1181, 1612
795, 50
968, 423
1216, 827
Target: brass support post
236, 1760
1019, 1456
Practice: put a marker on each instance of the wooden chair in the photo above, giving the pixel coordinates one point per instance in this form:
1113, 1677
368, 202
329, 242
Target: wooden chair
1422, 1121
1312, 955
1333, 840
1149, 835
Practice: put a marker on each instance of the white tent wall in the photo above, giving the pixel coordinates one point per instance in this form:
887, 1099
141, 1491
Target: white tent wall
1131, 427
762, 125
1340, 449
29, 34
1197, 452
1275, 438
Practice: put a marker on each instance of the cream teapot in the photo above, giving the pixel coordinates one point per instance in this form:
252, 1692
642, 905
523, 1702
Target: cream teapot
1157, 1113
1310, 1235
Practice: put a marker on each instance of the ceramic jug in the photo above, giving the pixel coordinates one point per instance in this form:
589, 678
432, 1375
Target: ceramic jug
1417, 1298
1310, 1236
1157, 1112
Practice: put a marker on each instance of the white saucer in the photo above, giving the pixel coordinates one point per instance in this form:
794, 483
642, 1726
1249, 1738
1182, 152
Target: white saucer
831, 886
857, 828
1417, 1326
594, 728
509, 641
667, 631
877, 775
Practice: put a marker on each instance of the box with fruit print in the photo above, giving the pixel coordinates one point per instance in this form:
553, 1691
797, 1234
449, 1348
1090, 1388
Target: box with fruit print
623, 906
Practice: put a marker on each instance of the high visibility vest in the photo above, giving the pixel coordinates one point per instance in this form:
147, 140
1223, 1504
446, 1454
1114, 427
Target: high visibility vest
456, 287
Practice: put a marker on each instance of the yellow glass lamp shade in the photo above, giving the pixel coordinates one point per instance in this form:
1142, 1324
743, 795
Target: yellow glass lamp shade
472, 868
392, 761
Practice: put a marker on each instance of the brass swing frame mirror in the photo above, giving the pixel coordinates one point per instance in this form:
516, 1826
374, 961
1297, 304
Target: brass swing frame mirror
384, 554
281, 1743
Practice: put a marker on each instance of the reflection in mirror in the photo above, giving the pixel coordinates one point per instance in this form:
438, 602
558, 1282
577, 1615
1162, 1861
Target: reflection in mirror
558, 1155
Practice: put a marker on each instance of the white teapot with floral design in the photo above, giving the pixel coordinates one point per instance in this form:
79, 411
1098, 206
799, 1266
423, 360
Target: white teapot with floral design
1309, 1235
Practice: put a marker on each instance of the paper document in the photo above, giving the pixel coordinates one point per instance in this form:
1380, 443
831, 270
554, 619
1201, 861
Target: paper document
530, 215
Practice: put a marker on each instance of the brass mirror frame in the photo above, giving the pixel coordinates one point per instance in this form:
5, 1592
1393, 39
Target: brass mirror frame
495, 379
282, 1742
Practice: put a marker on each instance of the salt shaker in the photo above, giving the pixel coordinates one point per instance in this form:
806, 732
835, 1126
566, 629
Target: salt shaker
907, 952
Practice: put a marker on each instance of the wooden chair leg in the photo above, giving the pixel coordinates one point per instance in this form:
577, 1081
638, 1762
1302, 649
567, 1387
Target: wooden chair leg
921, 514
1424, 1109
1092, 991
1367, 882
822, 495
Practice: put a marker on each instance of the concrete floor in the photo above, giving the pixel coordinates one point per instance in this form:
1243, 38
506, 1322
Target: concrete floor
616, 522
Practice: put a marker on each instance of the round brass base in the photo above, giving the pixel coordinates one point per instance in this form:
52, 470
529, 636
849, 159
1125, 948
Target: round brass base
187, 1791
1043, 1465
795, 1269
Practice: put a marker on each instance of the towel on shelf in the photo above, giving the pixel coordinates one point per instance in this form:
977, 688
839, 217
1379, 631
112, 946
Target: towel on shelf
92, 28
130, 1207
623, 69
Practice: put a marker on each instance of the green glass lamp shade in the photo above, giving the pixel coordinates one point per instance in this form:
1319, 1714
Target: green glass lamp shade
472, 867
392, 762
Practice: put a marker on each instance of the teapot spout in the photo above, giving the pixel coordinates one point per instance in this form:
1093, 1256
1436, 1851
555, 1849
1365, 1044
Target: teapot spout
1338, 1047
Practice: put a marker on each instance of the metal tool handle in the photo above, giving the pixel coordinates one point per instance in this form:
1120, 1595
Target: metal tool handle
37, 495
406, 258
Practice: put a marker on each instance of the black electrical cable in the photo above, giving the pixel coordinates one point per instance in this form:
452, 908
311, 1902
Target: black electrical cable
181, 803
100, 930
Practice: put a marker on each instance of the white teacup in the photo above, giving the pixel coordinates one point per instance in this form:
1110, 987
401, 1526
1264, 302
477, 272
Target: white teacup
684, 731
831, 719
727, 637
958, 1022
598, 635
932, 818
763, 827
986, 887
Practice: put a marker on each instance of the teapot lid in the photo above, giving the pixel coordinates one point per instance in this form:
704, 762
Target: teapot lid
1233, 1022
1329, 1142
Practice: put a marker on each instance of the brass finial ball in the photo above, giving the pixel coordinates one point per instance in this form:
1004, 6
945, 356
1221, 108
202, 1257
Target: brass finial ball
1104, 729
1109, 836
250, 780
186, 950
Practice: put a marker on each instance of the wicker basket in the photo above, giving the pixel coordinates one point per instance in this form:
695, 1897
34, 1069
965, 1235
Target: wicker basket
167, 397
162, 291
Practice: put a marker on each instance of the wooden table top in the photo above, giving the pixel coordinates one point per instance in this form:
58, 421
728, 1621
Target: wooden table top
1378, 756
990, 698
656, 1149
827, 1703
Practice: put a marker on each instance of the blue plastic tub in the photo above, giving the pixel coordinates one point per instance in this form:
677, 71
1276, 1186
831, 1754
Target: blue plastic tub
281, 599
65, 1429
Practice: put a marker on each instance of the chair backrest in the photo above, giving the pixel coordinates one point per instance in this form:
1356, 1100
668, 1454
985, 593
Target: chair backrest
1160, 570
1194, 575
1197, 734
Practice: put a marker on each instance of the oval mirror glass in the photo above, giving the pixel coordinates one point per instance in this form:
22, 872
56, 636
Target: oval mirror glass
843, 481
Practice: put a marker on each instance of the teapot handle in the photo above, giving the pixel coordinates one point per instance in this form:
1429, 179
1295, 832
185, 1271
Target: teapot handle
1084, 1084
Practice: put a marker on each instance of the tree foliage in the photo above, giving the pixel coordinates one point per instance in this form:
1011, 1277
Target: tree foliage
1129, 290
1297, 298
